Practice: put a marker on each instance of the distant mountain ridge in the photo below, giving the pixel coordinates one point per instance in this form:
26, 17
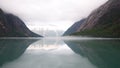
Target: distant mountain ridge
74, 27
12, 26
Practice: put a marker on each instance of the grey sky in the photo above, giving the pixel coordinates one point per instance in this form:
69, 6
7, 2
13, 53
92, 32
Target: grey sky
57, 12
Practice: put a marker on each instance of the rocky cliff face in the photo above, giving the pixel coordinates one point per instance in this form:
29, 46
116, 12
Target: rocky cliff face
12, 26
104, 21
74, 27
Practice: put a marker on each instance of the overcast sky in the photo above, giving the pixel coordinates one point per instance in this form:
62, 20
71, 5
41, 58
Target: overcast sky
61, 13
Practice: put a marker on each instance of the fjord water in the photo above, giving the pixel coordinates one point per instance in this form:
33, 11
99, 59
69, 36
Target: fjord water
62, 52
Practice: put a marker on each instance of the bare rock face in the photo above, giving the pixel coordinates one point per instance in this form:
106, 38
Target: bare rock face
12, 26
104, 21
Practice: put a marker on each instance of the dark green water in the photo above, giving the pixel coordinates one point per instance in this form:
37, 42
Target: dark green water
65, 52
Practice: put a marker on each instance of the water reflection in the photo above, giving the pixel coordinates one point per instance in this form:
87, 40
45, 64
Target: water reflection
11, 49
102, 53
50, 53
54, 53
47, 44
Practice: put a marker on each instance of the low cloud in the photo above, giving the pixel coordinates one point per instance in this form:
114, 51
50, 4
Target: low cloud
50, 10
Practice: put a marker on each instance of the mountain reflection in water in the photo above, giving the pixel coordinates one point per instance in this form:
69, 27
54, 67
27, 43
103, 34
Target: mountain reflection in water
54, 53
104, 53
11, 49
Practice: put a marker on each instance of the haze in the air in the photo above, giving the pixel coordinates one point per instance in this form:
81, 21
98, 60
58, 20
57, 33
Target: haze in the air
50, 14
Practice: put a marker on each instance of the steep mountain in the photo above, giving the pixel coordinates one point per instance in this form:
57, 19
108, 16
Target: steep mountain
12, 26
74, 27
103, 22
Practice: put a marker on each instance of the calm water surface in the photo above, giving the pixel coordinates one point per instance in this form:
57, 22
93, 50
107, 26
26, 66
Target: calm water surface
68, 52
